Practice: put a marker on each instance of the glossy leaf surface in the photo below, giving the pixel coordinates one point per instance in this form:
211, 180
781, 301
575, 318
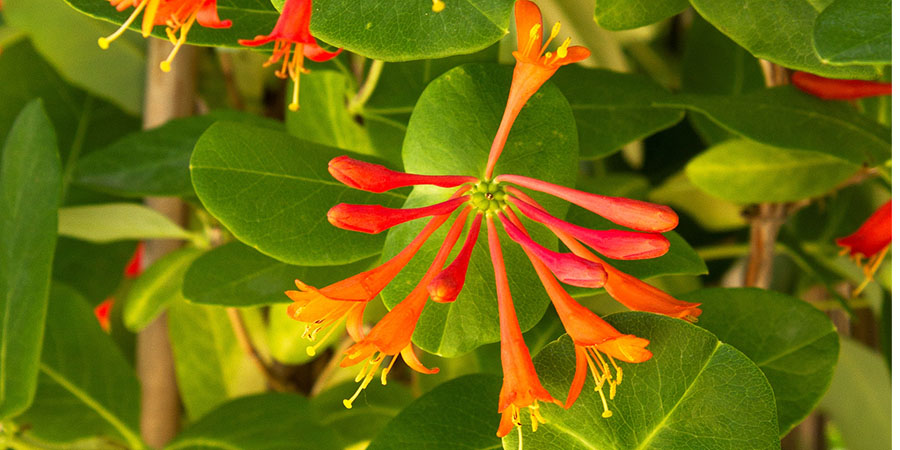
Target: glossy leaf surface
854, 32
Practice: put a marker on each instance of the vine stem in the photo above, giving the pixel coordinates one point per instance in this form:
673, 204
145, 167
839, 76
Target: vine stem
367, 88
166, 96
767, 218
246, 344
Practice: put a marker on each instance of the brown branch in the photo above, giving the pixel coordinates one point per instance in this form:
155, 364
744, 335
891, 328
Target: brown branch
243, 338
333, 365
167, 96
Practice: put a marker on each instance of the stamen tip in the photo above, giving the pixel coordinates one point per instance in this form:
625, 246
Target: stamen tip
103, 43
165, 66
294, 107
311, 350
348, 404
606, 414
437, 6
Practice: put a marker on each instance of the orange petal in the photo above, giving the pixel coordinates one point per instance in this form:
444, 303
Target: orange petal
527, 15
411, 360
580, 373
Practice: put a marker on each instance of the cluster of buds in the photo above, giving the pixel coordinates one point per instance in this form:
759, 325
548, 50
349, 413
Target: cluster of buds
491, 200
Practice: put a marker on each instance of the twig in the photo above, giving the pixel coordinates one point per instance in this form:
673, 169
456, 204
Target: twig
243, 338
333, 365
368, 87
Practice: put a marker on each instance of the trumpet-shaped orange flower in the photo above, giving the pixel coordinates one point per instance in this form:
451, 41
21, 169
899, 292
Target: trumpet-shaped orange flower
293, 42
392, 335
534, 66
521, 386
177, 15
871, 241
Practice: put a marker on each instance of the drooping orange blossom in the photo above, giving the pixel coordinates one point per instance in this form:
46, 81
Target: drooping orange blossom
871, 241
177, 15
293, 42
496, 198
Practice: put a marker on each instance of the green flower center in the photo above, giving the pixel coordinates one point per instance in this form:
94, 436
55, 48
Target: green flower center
487, 197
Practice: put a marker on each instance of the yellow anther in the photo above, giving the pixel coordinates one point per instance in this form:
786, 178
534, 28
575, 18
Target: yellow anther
534, 35
384, 373
553, 32
606, 414
437, 6
563, 49
105, 41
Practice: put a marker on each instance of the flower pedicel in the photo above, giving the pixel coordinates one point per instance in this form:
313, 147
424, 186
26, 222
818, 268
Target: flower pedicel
499, 199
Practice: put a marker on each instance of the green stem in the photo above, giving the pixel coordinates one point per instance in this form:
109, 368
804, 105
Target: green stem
368, 87
77, 144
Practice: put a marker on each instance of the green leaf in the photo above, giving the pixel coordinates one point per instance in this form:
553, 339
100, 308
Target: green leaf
854, 32
117, 221
57, 416
157, 288
714, 64
97, 280
775, 116
249, 18
794, 344
745, 171
459, 414
210, 366
82, 122
154, 162
781, 32
627, 14
613, 109
859, 400
69, 41
450, 132
273, 191
323, 116
367, 417
710, 212
695, 392
80, 357
403, 30
29, 198
271, 421
237, 275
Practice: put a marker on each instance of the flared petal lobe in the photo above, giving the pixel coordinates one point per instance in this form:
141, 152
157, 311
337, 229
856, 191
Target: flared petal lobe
873, 236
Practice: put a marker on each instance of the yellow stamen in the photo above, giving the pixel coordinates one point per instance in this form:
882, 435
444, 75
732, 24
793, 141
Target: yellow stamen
369, 369
437, 6
553, 32
869, 270
519, 428
149, 16
533, 36
166, 65
536, 417
384, 373
104, 41
295, 69
311, 350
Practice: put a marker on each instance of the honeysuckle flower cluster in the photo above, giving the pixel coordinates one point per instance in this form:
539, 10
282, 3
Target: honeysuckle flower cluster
498, 199
871, 241
177, 15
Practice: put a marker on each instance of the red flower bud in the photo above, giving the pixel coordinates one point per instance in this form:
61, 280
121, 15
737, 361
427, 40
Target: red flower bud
376, 218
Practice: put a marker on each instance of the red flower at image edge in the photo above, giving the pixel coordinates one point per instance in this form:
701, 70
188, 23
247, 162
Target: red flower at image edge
293, 42
499, 199
835, 89
871, 241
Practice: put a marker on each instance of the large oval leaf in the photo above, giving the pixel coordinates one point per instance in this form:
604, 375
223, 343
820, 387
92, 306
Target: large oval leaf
458, 115
613, 109
627, 14
402, 30
273, 192
776, 116
468, 418
29, 198
794, 344
695, 392
745, 171
854, 32
81, 358
781, 32
271, 421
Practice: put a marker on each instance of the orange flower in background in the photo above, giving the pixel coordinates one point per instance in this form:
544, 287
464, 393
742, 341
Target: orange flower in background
177, 15
293, 42
834, 89
871, 241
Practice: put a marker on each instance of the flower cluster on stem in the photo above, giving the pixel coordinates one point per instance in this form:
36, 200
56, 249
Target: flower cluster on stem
499, 201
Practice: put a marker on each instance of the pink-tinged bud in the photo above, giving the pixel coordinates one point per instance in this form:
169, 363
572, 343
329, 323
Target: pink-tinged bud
446, 286
616, 244
377, 178
872, 236
568, 268
376, 218
635, 214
